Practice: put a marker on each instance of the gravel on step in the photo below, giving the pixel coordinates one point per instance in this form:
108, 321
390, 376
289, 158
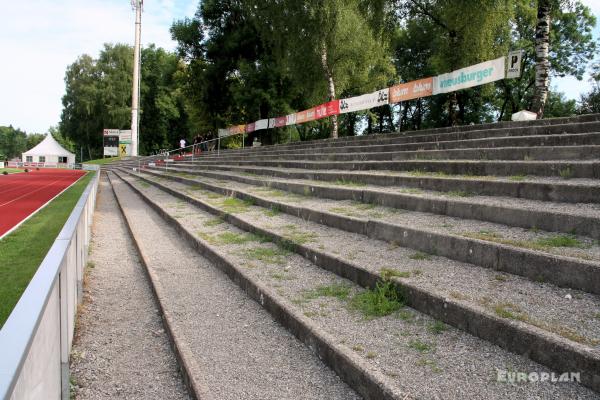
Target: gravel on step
420, 356
241, 351
121, 350
571, 313
585, 247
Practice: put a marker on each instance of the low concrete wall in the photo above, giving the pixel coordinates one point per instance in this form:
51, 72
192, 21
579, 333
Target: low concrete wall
36, 339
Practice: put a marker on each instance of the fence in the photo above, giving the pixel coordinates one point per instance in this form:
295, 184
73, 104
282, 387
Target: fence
35, 341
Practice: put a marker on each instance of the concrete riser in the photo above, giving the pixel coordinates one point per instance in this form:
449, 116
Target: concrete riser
568, 193
509, 153
569, 169
421, 137
527, 219
510, 335
560, 271
355, 373
526, 141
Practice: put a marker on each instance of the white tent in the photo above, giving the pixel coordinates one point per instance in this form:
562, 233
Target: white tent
49, 151
524, 116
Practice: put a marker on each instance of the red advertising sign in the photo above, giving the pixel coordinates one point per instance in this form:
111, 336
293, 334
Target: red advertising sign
280, 121
301, 117
411, 90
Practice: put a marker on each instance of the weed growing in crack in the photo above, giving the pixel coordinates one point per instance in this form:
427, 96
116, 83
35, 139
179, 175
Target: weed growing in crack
380, 301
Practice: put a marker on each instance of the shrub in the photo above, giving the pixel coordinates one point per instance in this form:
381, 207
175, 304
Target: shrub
26, 169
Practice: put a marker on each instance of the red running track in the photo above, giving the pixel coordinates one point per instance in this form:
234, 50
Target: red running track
23, 193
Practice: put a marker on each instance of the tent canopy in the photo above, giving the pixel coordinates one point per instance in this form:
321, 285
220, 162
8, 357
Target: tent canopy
49, 146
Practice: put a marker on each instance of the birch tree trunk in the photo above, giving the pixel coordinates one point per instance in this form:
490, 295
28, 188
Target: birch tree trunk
542, 66
330, 88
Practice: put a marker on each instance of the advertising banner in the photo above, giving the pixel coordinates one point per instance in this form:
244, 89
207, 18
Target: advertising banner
475, 75
364, 102
223, 132
237, 129
301, 117
290, 119
125, 136
327, 109
411, 90
280, 121
311, 114
250, 127
262, 124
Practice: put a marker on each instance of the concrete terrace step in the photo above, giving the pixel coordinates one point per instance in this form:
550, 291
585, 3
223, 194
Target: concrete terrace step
229, 347
519, 186
424, 137
566, 169
433, 290
436, 238
528, 214
508, 141
589, 152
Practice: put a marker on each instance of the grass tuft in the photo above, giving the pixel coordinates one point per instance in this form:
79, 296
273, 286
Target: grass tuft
378, 302
345, 182
387, 273
420, 346
420, 256
234, 205
337, 290
213, 222
560, 241
267, 254
437, 327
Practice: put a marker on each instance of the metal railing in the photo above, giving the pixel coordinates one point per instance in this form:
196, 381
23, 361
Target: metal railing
35, 341
164, 156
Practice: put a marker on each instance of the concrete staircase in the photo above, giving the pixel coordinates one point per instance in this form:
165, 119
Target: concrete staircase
489, 235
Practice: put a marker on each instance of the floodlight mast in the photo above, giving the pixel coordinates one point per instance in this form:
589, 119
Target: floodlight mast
135, 96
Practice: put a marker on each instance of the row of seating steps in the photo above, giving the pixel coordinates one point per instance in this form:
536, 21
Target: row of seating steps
489, 235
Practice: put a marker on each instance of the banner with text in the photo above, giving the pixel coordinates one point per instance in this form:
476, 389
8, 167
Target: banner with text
482, 73
364, 102
411, 90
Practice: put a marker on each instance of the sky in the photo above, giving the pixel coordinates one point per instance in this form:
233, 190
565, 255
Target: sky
40, 38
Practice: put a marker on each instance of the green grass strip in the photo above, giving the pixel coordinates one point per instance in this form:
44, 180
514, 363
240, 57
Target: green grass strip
22, 251
10, 170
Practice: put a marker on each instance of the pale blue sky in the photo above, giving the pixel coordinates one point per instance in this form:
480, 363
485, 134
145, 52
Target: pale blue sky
40, 38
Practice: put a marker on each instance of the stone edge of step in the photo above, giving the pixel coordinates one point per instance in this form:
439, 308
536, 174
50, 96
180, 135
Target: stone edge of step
515, 336
558, 270
523, 218
349, 367
189, 367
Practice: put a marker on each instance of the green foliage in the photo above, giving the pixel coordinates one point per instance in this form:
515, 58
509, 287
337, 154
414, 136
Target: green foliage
337, 290
378, 302
98, 96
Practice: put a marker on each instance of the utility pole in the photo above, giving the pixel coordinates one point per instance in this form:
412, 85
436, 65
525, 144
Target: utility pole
135, 96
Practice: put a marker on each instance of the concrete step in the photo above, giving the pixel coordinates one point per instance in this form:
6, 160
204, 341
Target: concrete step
494, 248
426, 137
430, 292
529, 214
508, 141
229, 347
518, 186
559, 168
540, 153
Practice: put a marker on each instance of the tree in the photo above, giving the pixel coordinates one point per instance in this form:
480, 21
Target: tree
542, 64
98, 96
13, 142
